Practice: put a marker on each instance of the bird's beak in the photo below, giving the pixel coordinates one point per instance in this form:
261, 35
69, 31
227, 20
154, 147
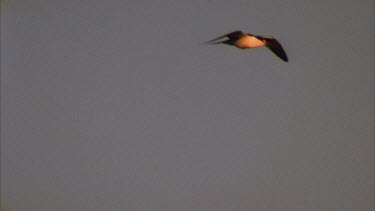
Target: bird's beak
215, 41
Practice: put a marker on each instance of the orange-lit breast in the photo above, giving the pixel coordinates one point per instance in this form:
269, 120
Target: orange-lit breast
248, 42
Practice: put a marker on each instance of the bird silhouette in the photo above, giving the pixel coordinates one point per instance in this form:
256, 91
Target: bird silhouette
244, 41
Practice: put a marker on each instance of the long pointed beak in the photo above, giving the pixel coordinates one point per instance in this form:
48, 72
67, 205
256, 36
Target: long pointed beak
215, 41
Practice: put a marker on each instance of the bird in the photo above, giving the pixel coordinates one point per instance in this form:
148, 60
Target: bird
242, 40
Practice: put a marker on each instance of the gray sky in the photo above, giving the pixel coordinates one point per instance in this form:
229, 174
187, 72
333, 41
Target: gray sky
117, 105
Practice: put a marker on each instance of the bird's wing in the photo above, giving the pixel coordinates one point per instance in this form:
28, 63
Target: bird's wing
232, 35
274, 46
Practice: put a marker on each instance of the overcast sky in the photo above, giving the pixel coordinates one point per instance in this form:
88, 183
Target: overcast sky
117, 105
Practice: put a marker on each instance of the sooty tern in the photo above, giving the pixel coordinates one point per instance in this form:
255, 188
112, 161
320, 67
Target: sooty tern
243, 41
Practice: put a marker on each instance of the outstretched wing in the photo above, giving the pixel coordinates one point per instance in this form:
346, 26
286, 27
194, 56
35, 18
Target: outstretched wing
232, 35
274, 46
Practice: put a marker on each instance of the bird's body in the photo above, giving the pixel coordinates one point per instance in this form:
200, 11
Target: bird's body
244, 41
248, 42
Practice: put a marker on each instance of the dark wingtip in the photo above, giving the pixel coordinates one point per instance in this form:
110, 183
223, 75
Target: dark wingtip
281, 54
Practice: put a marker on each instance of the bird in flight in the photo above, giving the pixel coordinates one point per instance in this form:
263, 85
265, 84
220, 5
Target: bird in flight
243, 41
